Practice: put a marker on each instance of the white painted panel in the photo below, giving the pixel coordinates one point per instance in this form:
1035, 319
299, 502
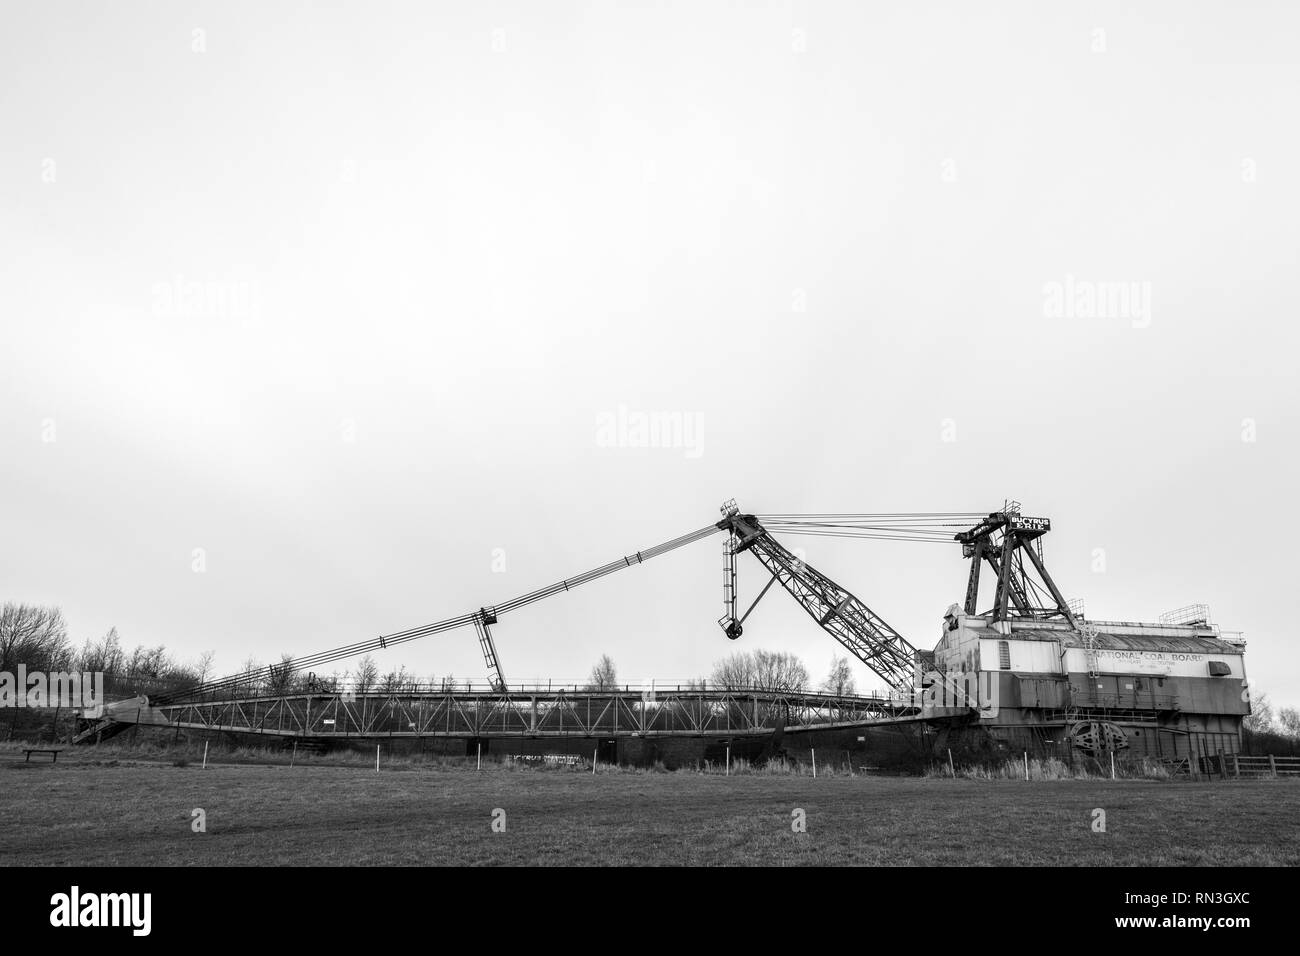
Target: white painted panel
1163, 663
1031, 657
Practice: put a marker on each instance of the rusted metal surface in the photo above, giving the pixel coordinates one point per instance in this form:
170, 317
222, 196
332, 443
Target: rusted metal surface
1104, 640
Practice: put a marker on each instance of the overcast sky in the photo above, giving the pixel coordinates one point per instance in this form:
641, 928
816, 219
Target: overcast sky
323, 320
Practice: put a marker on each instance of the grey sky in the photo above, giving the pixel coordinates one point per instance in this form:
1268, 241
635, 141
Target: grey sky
339, 293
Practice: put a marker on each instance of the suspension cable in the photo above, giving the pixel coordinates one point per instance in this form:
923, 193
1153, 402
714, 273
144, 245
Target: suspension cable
928, 526
274, 671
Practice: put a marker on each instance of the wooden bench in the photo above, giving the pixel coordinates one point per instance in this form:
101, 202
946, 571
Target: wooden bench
52, 751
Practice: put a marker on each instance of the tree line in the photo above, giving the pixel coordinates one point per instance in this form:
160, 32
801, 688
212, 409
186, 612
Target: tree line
758, 669
1263, 720
37, 638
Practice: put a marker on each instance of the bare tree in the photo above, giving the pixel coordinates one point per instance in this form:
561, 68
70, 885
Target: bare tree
399, 681
254, 675
1260, 719
34, 636
603, 675
367, 675
761, 670
280, 676
734, 672
104, 656
840, 679
1289, 719
203, 668
779, 671
149, 662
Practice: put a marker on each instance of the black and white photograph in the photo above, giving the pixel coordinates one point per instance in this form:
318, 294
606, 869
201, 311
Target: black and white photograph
763, 435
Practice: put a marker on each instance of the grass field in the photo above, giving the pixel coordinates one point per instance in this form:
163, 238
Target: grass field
82, 812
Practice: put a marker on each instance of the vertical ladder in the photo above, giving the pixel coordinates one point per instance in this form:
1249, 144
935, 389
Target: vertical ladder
1088, 632
728, 621
482, 620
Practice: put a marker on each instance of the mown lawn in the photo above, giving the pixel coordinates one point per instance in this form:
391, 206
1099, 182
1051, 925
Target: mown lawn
79, 813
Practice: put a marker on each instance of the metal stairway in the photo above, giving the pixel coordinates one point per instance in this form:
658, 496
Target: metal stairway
99, 730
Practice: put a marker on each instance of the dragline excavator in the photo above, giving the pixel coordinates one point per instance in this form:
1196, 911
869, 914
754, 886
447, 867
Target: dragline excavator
998, 538
842, 615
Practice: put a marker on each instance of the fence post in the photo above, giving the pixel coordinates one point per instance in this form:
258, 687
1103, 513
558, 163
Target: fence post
1026, 764
813, 751
376, 757
951, 768
1112, 765
1236, 766
1272, 765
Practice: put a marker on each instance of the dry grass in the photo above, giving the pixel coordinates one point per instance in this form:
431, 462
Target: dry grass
119, 752
86, 811
1051, 768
